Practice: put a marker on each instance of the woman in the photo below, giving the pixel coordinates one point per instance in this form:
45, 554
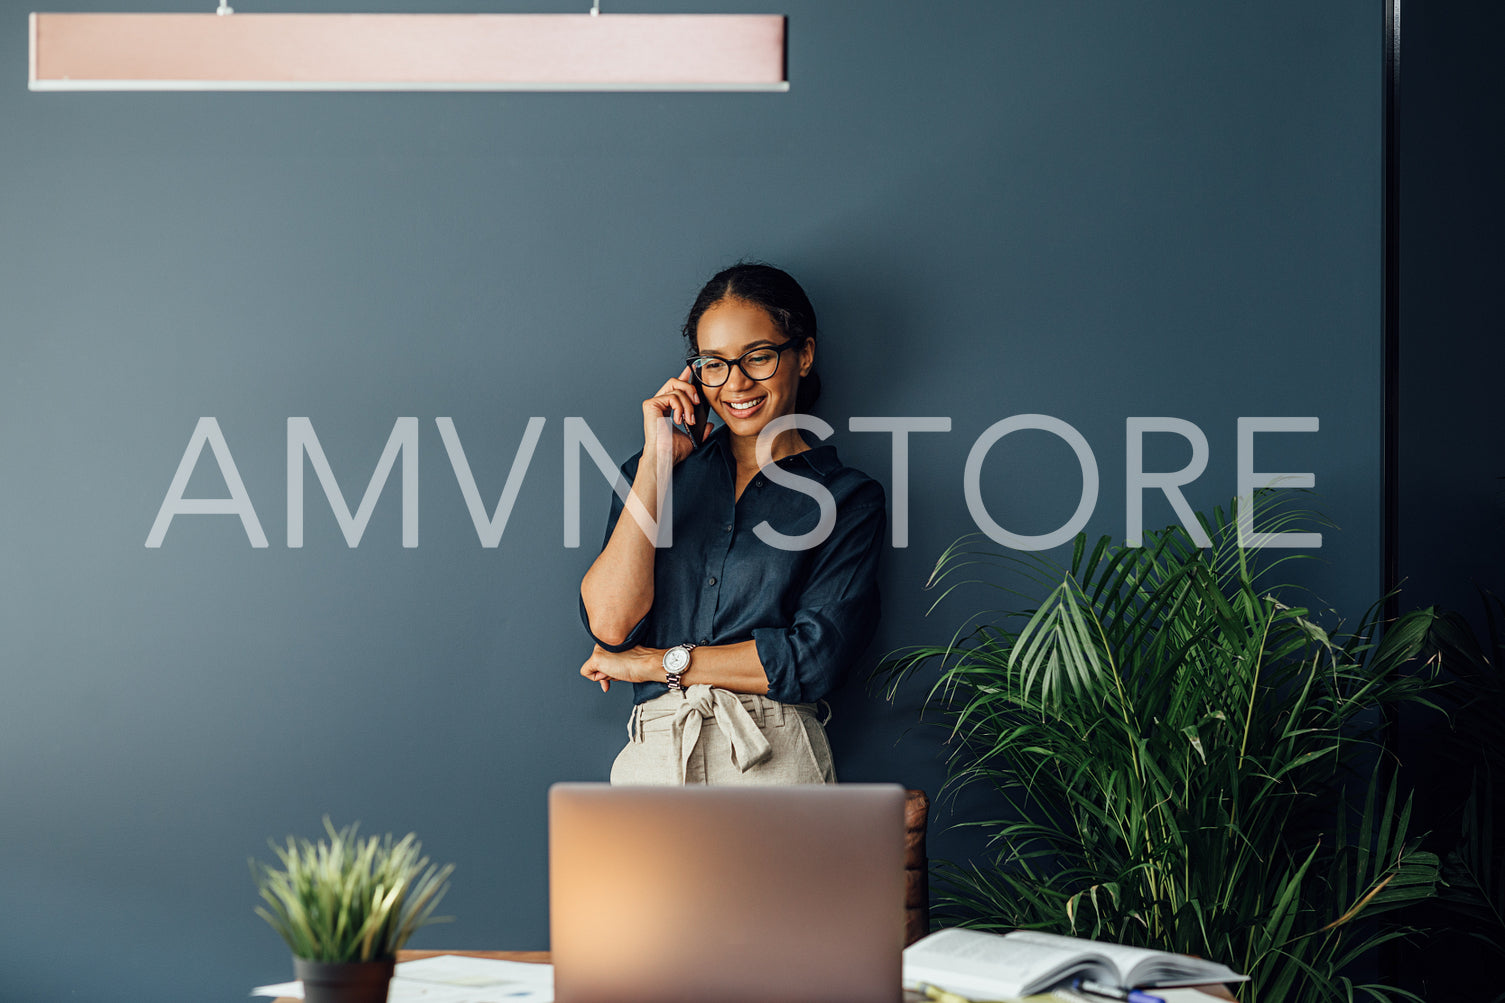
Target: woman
728, 639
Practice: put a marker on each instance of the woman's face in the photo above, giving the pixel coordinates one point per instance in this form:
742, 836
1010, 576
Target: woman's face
730, 329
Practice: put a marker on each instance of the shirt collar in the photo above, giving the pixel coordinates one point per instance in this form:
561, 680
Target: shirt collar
821, 457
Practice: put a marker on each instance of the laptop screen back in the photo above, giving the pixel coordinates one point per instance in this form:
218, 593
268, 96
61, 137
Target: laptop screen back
769, 894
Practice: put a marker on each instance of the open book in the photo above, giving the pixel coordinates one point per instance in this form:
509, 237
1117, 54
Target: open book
990, 966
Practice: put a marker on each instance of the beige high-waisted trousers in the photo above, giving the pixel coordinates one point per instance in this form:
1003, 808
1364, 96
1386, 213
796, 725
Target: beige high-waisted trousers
705, 735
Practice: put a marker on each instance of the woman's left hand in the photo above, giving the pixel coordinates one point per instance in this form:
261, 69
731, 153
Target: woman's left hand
635, 665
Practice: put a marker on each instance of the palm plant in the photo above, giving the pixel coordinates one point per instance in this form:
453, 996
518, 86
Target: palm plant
349, 899
1180, 758
1470, 808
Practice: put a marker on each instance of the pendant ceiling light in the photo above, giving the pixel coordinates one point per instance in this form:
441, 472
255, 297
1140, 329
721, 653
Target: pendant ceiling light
225, 51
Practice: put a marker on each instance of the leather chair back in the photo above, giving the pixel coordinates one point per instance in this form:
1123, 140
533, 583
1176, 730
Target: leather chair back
916, 867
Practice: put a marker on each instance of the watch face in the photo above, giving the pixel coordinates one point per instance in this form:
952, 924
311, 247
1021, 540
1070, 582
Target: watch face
675, 659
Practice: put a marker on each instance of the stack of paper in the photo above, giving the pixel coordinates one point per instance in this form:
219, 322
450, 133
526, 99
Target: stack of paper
455, 978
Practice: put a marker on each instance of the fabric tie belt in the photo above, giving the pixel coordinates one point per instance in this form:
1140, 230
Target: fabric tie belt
749, 745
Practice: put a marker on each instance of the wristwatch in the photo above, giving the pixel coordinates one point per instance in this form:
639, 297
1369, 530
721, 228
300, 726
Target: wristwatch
676, 664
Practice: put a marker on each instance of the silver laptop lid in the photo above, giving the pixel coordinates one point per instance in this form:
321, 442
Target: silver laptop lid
723, 894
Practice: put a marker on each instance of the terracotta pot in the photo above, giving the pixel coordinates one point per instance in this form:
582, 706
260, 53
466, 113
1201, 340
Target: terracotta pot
344, 981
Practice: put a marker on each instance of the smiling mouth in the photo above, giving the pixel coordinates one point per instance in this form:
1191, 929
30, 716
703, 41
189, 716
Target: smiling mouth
744, 407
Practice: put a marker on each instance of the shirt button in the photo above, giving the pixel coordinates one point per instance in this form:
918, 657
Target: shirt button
705, 640
711, 582
758, 483
727, 528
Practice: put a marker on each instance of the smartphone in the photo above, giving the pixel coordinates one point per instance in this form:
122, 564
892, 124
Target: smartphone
696, 432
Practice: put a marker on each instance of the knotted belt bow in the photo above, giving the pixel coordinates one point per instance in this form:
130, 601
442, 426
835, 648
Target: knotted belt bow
749, 746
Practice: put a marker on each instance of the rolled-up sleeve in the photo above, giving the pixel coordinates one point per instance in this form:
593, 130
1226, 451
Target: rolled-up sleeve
635, 635
837, 607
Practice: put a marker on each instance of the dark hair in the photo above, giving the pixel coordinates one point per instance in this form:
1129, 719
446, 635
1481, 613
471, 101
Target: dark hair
778, 294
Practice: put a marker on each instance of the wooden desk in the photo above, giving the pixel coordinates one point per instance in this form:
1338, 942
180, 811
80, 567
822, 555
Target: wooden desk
542, 957
533, 957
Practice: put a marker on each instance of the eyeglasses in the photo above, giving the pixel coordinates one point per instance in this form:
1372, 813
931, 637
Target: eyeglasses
758, 364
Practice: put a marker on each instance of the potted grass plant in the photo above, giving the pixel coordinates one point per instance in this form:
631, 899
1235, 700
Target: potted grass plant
346, 906
1178, 756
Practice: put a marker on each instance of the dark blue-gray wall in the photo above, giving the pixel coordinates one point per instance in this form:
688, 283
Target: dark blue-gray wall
1087, 210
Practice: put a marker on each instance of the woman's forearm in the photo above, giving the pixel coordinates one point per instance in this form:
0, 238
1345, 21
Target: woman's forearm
618, 588
734, 667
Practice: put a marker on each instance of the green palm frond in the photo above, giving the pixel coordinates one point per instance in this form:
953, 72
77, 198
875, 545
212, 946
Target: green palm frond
1181, 756
1473, 869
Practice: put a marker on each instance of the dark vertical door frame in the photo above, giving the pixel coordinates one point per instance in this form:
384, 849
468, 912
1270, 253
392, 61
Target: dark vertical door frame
1390, 322
1390, 961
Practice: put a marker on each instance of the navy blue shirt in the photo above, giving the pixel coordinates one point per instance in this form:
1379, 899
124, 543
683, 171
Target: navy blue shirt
811, 611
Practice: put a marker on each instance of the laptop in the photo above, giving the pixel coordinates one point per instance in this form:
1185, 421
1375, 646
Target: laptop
776, 894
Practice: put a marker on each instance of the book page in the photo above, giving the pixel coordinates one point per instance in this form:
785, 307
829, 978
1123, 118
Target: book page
988, 966
1137, 965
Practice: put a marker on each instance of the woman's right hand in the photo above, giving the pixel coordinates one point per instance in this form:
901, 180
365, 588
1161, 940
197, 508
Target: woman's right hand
675, 400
